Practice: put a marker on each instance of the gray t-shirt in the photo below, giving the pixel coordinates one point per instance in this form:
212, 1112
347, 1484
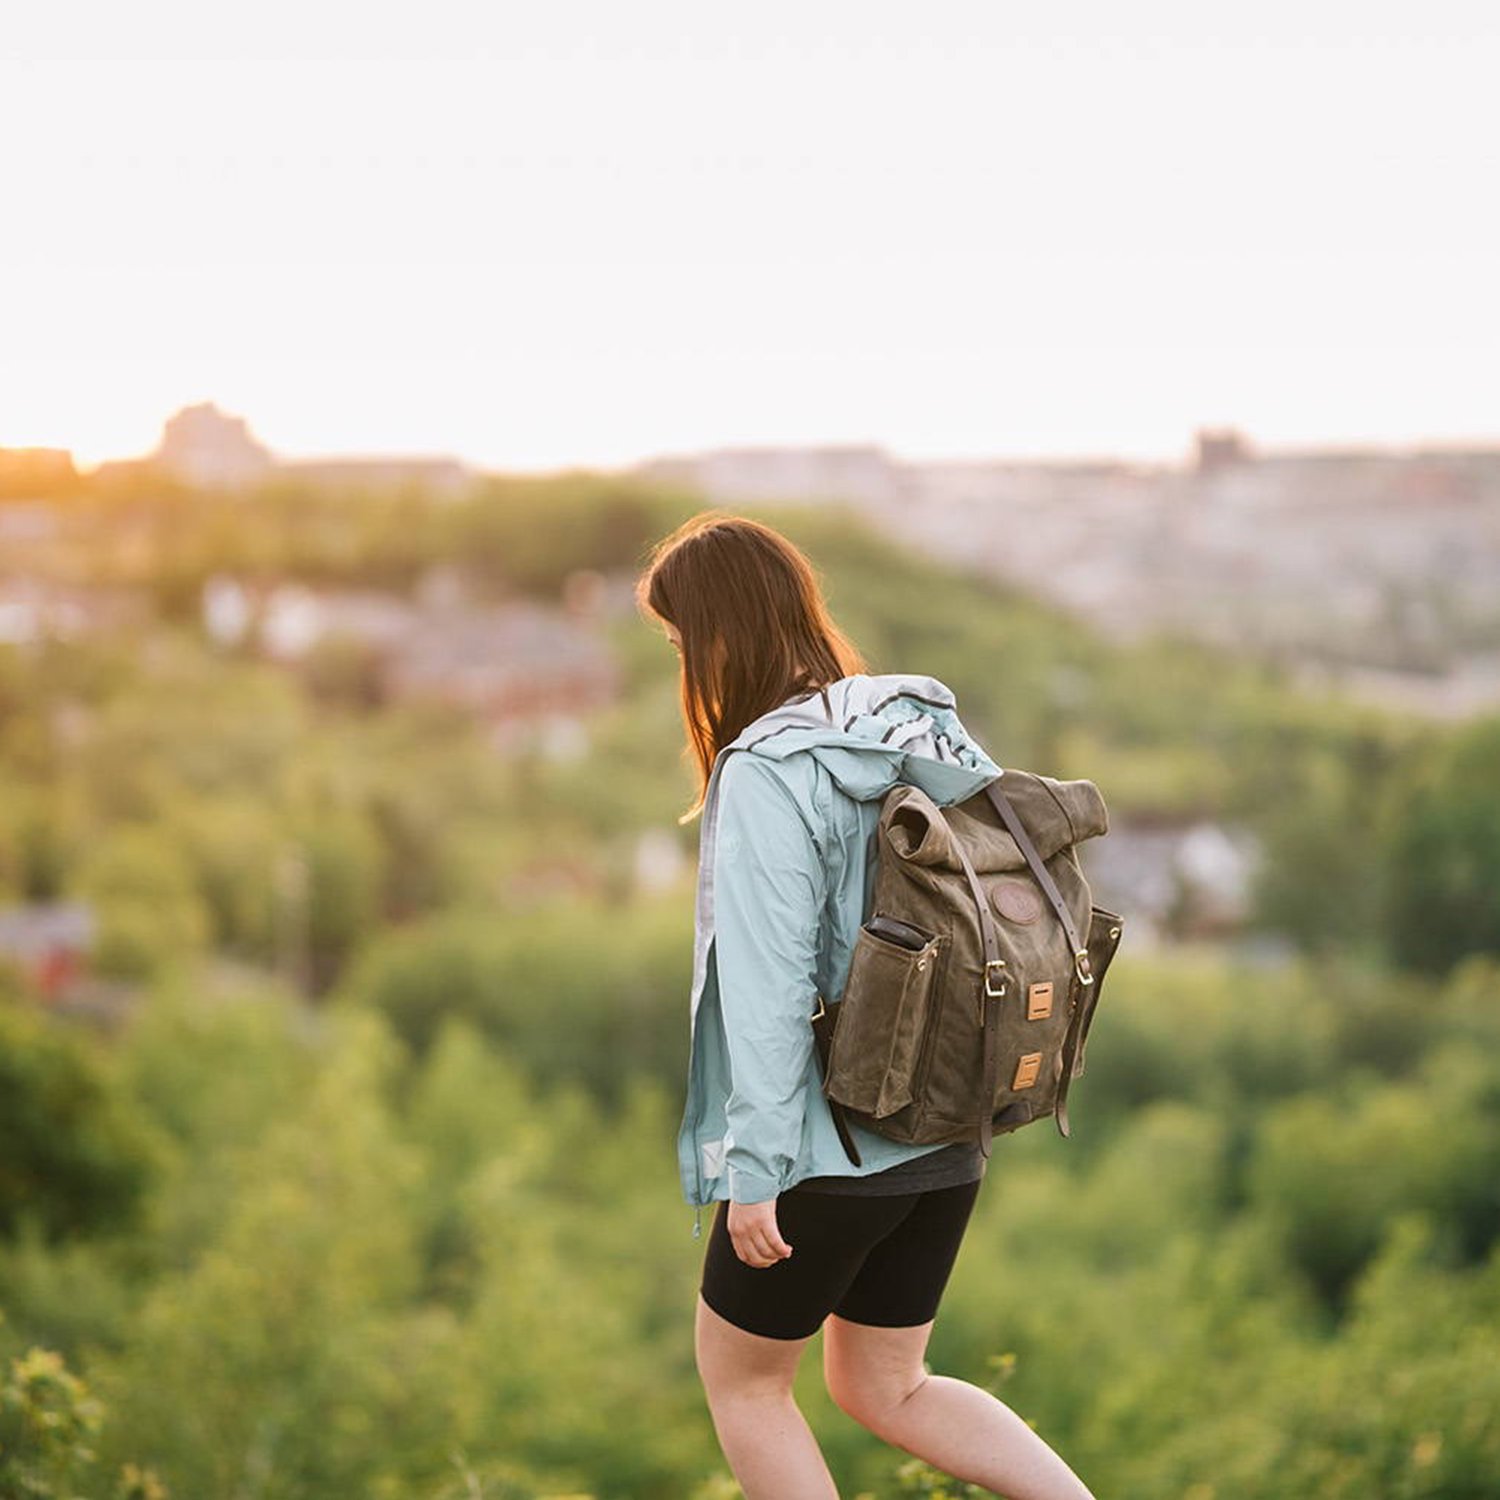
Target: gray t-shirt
960, 1161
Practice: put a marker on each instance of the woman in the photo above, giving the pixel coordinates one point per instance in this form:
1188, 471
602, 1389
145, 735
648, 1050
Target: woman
795, 745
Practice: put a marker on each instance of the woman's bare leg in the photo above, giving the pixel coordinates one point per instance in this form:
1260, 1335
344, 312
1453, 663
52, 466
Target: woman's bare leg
877, 1376
765, 1437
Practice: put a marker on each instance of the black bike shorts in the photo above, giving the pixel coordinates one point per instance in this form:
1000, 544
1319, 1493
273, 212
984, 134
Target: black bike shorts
881, 1260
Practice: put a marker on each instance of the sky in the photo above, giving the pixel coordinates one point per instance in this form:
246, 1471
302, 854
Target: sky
543, 235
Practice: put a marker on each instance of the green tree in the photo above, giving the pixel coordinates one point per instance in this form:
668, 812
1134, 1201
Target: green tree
75, 1160
149, 909
1444, 852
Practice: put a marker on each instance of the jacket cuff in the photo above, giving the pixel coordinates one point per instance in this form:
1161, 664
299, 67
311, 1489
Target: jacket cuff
751, 1187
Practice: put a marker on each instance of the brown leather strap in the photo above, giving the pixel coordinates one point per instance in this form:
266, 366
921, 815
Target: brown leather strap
1017, 831
1082, 969
990, 1014
841, 1125
1069, 1056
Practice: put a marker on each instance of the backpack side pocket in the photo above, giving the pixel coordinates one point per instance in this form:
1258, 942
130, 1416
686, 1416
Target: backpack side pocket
881, 1018
1105, 928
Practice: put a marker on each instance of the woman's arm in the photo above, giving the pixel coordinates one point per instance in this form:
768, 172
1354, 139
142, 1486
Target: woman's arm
770, 884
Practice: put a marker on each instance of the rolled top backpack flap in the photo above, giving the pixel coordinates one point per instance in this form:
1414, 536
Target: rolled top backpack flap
1056, 814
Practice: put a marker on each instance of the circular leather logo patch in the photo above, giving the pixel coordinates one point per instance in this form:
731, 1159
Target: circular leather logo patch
1016, 902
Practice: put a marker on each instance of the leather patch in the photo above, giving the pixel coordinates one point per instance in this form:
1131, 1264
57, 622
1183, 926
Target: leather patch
1029, 1065
1016, 902
1039, 1001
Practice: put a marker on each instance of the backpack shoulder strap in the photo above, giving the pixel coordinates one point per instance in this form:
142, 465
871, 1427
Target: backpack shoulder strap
990, 1014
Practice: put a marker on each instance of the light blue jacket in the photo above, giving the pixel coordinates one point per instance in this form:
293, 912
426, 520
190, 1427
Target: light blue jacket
785, 875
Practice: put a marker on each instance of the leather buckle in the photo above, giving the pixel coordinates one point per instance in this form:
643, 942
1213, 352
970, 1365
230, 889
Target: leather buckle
994, 994
1081, 966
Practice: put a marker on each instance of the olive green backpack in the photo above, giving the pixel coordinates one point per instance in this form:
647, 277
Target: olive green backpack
974, 980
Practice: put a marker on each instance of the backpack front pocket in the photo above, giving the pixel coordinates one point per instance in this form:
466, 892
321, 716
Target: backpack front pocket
881, 1017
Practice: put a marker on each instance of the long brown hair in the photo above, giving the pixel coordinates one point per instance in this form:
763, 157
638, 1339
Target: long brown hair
749, 611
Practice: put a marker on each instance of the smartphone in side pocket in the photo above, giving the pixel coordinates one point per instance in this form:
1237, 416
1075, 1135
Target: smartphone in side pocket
893, 930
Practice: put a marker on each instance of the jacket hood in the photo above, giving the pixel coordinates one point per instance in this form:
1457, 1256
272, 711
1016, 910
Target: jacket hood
871, 731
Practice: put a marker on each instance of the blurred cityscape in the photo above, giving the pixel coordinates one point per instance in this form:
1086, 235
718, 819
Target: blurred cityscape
1376, 572
1368, 574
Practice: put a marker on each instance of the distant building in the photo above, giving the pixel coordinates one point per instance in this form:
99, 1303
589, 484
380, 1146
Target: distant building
859, 473
1188, 878
49, 942
27, 470
38, 609
29, 523
530, 673
227, 610
203, 445
294, 618
436, 476
1220, 448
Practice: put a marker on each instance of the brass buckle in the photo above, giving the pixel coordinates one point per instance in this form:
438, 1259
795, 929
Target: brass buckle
1081, 966
999, 994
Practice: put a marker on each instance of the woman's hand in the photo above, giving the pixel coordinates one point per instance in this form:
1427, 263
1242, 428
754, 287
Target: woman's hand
756, 1239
